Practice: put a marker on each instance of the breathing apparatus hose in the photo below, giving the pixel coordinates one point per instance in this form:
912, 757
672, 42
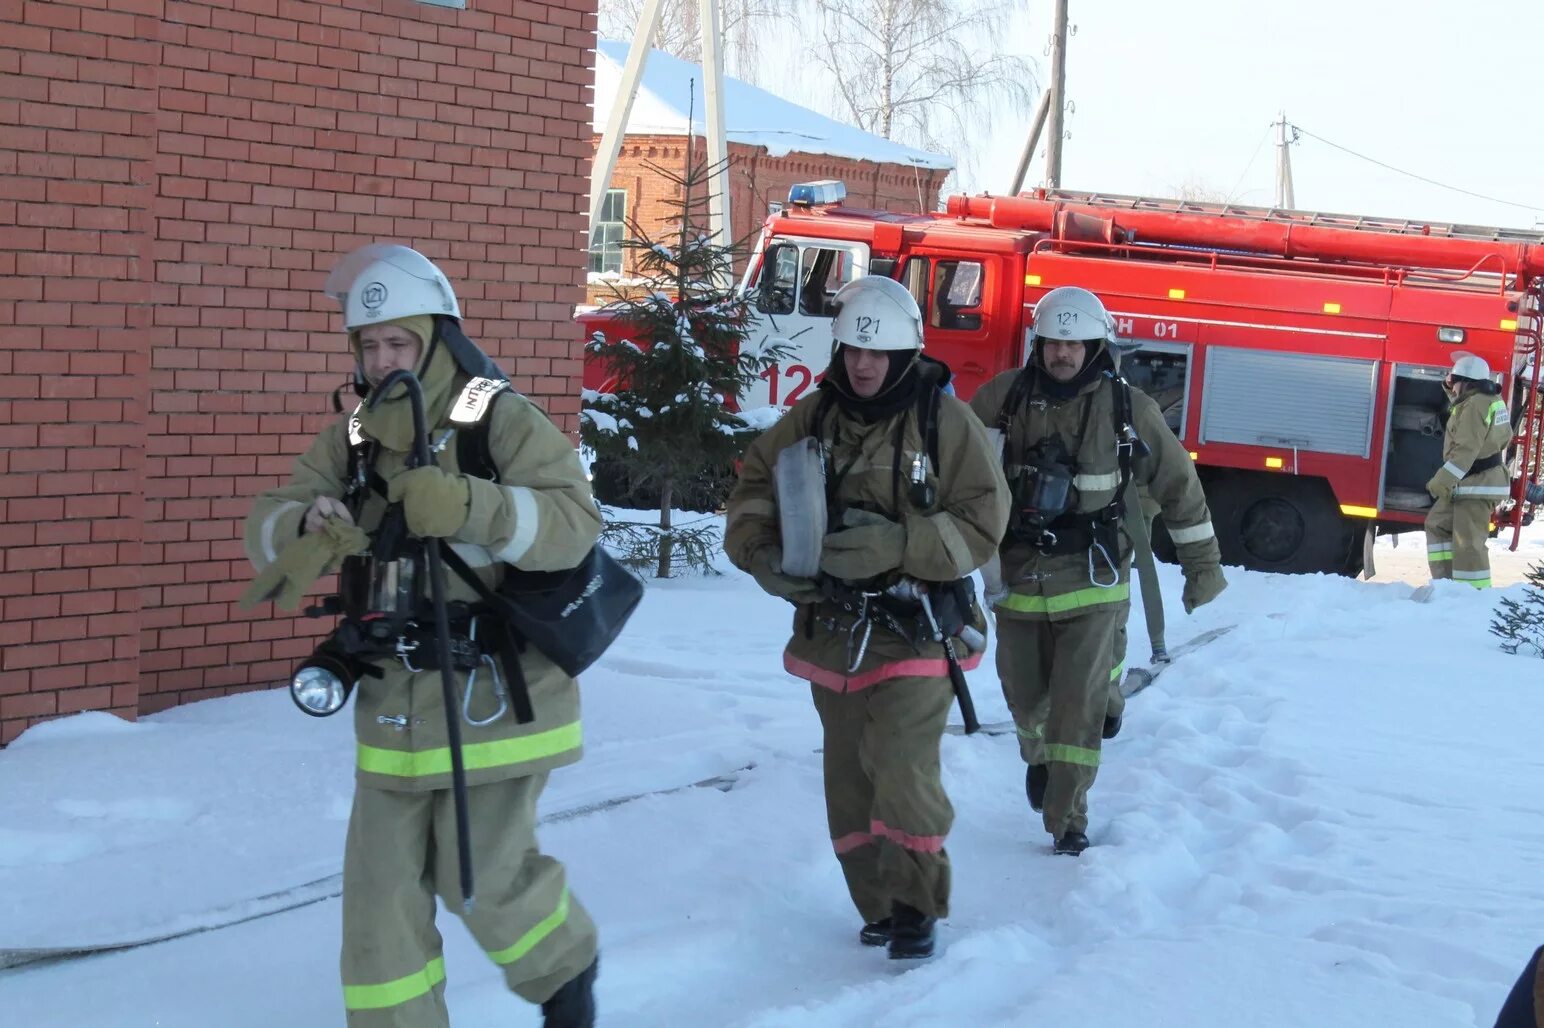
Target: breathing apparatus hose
422, 457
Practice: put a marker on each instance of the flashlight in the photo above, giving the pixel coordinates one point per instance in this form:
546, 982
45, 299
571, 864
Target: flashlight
322, 684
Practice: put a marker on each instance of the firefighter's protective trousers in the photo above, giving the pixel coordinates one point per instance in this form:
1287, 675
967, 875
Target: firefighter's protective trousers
401, 854
1056, 678
885, 800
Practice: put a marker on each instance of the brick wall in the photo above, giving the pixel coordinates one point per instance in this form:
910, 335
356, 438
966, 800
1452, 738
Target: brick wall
757, 179
175, 180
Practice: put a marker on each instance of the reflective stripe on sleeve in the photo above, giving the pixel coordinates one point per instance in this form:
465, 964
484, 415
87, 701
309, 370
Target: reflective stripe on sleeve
395, 993
527, 524
1454, 470
473, 555
1194, 534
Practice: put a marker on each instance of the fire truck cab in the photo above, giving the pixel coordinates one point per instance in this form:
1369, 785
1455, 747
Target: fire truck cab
1299, 357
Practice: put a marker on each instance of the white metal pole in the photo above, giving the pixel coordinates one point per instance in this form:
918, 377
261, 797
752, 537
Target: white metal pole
627, 91
719, 222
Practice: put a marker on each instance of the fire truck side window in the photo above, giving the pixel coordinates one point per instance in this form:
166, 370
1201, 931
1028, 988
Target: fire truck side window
779, 280
957, 295
826, 271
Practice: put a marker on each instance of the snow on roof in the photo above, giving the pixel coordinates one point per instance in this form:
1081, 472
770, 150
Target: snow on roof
752, 116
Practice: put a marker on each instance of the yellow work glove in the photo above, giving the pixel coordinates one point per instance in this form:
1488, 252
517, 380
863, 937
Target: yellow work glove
1202, 586
767, 570
434, 501
303, 561
855, 554
1442, 483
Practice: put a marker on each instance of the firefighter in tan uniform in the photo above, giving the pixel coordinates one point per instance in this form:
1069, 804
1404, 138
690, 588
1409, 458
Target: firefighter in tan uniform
1074, 438
537, 516
1473, 477
913, 497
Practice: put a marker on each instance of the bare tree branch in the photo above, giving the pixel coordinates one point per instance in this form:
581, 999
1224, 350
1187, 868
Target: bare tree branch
744, 23
923, 72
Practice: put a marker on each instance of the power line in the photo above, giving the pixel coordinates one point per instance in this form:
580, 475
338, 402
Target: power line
1234, 192
1430, 181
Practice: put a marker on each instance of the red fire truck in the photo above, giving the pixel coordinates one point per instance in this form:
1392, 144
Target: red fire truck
1298, 356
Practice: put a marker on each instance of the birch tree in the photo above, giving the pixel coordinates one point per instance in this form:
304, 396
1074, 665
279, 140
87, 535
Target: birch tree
929, 73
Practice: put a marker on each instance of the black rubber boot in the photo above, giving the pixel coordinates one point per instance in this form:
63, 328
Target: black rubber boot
912, 933
573, 1005
875, 933
1036, 778
1112, 726
1071, 844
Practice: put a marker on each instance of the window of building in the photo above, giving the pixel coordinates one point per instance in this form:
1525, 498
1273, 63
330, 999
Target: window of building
606, 237
459, 5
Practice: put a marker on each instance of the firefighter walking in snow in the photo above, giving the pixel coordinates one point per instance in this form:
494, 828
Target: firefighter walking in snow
915, 501
1473, 477
1074, 438
509, 496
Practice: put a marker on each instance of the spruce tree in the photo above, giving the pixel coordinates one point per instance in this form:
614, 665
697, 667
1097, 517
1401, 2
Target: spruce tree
678, 351
1520, 624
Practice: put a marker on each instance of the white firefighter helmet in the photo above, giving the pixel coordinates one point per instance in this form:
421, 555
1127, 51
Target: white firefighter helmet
1072, 312
877, 313
1471, 368
386, 281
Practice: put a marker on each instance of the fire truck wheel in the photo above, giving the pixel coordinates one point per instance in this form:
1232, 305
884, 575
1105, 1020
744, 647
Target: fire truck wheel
1281, 523
1278, 523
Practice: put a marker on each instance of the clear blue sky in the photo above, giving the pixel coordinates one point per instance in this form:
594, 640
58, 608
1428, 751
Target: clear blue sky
1175, 93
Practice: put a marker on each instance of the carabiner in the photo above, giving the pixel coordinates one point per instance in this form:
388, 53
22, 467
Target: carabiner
499, 692
1093, 577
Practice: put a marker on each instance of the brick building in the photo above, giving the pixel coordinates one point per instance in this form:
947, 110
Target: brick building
772, 145
176, 177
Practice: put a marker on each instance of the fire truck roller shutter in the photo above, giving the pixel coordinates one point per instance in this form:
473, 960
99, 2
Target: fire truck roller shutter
1265, 521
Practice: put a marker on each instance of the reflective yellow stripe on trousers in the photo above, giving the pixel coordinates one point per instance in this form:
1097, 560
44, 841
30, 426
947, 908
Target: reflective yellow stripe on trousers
1093, 596
395, 993
477, 756
529, 941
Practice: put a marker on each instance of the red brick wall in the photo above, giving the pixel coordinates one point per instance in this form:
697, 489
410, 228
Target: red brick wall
757, 179
175, 180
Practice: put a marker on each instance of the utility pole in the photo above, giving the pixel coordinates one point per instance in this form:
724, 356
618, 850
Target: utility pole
1058, 102
1035, 128
1284, 198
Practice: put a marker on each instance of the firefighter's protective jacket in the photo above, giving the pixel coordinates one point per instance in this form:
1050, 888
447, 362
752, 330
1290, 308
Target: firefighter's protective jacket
944, 542
1478, 427
1057, 587
539, 516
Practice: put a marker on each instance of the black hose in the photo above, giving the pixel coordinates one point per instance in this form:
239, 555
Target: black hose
422, 457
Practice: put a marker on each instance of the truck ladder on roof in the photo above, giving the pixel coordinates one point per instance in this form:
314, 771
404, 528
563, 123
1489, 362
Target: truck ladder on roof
1391, 226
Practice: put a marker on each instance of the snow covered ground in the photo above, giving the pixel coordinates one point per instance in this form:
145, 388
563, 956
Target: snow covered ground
1328, 817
